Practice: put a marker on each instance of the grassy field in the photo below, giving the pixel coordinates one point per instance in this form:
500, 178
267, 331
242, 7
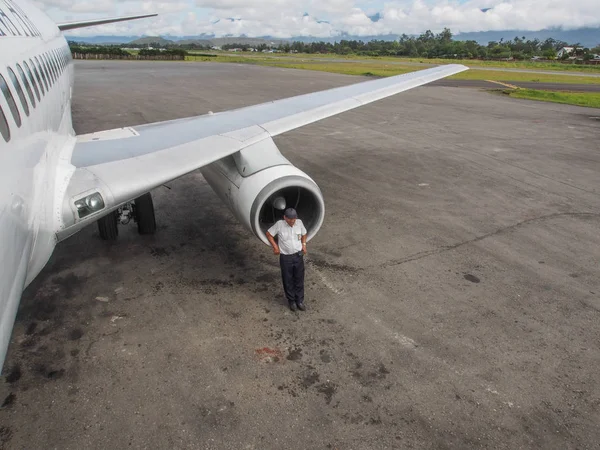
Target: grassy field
555, 66
516, 65
379, 67
474, 74
589, 99
477, 63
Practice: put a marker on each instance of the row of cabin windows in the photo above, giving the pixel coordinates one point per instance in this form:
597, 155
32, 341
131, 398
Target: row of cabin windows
36, 75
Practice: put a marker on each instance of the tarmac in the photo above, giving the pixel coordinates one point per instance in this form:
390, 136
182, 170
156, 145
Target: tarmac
488, 84
453, 291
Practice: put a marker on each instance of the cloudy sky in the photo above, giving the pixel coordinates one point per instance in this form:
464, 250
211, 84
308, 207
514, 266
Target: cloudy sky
323, 18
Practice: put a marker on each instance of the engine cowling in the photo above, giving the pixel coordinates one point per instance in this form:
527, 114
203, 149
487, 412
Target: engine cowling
258, 183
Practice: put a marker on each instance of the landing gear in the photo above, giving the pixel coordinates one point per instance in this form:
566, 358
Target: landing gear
142, 212
107, 226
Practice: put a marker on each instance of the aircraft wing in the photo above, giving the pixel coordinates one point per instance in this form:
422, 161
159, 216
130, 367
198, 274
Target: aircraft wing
125, 163
90, 23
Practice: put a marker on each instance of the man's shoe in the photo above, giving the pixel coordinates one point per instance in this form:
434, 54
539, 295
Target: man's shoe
293, 306
301, 306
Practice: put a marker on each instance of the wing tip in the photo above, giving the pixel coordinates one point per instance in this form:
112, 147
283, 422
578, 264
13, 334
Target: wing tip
459, 67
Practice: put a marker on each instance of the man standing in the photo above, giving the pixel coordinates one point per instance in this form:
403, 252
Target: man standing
291, 250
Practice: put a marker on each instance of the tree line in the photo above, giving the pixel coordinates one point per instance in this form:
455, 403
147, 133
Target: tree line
117, 50
426, 45
441, 45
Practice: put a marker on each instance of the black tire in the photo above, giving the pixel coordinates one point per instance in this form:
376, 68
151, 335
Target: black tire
144, 212
108, 227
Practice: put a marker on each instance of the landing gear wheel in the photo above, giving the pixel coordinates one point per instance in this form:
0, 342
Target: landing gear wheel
144, 213
108, 227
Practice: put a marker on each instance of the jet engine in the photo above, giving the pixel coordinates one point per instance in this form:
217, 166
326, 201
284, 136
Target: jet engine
259, 183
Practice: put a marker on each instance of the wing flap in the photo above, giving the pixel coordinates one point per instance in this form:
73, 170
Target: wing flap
156, 168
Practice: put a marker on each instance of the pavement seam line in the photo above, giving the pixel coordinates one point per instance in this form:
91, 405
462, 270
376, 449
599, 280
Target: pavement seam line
508, 85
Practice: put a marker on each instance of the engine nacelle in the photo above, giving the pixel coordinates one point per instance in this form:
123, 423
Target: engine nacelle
258, 183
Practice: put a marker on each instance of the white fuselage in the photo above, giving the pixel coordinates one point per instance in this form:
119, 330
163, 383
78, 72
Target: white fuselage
36, 142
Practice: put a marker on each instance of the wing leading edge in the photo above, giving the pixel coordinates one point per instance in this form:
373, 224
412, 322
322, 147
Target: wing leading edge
91, 23
128, 162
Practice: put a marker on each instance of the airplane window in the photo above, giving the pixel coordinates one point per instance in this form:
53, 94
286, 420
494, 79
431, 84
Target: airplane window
10, 100
52, 65
4, 130
26, 84
37, 75
58, 60
55, 63
51, 76
32, 80
46, 70
20, 93
62, 59
44, 64
53, 57
40, 67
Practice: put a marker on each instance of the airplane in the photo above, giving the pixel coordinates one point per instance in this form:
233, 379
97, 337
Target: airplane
54, 182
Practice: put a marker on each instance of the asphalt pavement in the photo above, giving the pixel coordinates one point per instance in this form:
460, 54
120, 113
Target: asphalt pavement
453, 291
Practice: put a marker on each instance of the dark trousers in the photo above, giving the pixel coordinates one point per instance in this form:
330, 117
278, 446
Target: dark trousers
292, 275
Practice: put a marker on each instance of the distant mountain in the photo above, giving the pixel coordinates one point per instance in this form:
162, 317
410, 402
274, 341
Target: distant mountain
202, 42
248, 40
151, 40
347, 37
182, 40
588, 37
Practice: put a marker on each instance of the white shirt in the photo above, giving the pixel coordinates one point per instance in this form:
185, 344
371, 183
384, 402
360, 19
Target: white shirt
290, 238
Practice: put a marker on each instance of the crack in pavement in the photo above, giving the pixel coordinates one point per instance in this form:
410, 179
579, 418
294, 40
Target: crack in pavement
437, 251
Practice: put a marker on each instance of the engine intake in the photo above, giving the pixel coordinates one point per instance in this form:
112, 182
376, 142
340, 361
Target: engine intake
270, 184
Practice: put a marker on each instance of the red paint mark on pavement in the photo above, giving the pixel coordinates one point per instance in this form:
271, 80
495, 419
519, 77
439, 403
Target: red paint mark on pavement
267, 354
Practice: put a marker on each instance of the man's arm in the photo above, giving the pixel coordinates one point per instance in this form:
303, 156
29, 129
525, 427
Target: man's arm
304, 234
273, 243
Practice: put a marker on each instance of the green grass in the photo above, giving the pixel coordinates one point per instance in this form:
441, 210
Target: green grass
379, 67
590, 99
557, 66
382, 67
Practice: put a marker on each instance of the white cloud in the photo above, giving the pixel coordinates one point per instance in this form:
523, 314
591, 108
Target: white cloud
163, 7
287, 18
77, 6
331, 6
242, 4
